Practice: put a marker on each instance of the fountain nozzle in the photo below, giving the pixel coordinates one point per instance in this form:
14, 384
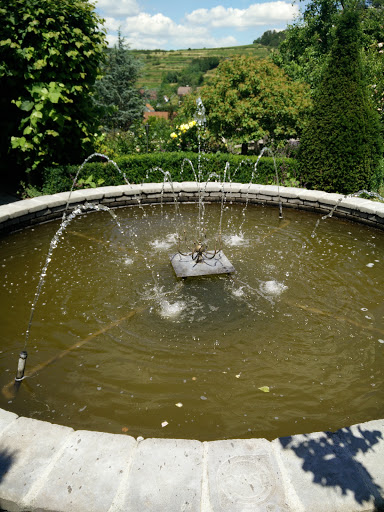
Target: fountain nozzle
21, 366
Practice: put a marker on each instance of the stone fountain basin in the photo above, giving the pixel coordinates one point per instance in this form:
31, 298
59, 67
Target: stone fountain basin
54, 468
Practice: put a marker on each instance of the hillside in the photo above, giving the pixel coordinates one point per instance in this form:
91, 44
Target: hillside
157, 62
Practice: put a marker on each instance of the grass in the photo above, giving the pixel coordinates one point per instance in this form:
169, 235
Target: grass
158, 62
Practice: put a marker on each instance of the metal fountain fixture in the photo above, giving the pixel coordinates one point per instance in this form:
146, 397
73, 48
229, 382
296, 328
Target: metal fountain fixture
200, 261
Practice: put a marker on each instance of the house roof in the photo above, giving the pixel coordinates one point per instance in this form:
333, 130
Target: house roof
182, 91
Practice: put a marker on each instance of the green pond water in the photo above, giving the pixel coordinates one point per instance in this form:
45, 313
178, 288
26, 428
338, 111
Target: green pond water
292, 342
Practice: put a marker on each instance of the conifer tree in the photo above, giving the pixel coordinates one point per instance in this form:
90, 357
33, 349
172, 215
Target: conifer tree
119, 99
341, 144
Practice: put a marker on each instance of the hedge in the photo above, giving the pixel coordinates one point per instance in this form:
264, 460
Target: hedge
146, 168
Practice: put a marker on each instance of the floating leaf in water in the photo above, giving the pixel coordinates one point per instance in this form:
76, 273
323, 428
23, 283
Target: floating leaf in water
193, 378
125, 429
265, 389
179, 404
238, 376
164, 424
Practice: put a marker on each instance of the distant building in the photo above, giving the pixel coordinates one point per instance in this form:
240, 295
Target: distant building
148, 108
164, 115
149, 93
182, 91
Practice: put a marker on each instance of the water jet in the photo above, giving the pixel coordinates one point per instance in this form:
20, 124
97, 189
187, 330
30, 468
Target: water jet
237, 457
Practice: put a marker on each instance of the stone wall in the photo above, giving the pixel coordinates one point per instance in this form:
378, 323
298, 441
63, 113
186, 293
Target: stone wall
28, 212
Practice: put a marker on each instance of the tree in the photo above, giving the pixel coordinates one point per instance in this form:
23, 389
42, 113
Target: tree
308, 41
304, 52
49, 61
271, 38
248, 99
120, 101
341, 144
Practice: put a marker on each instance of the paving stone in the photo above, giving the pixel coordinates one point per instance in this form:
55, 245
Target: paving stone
86, 194
87, 474
172, 187
331, 199
295, 201
189, 186
243, 476
19, 209
131, 190
151, 188
27, 448
216, 194
4, 214
251, 188
379, 209
213, 186
270, 190
290, 192
311, 195
112, 191
232, 187
166, 475
323, 474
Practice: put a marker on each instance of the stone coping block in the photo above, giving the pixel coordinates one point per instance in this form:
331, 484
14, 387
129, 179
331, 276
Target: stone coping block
6, 419
166, 474
365, 444
27, 447
87, 474
326, 476
47, 467
245, 475
252, 192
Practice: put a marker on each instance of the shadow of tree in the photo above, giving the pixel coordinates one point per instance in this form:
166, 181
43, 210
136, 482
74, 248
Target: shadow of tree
331, 458
6, 460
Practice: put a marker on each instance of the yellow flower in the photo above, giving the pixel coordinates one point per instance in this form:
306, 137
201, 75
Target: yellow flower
173, 135
191, 124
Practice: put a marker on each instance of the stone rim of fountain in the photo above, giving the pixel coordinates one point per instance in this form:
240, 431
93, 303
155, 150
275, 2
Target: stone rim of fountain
51, 467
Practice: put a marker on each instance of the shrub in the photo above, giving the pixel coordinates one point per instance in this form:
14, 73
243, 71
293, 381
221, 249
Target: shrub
340, 148
146, 168
49, 61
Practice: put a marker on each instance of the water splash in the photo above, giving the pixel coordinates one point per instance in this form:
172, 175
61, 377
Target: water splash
274, 287
165, 244
171, 309
236, 240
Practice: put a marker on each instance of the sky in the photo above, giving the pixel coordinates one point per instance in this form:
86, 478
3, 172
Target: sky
175, 25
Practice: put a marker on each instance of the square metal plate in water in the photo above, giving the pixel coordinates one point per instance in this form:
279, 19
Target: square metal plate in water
185, 266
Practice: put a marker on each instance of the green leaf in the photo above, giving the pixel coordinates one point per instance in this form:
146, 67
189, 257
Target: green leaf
265, 389
37, 113
26, 105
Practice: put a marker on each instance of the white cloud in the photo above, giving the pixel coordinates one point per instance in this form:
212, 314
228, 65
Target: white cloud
118, 8
159, 31
255, 14
206, 27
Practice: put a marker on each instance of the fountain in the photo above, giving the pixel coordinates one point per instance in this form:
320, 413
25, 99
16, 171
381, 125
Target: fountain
290, 343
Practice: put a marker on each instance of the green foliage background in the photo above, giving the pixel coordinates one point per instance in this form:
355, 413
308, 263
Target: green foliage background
116, 94
49, 61
146, 168
248, 99
341, 146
